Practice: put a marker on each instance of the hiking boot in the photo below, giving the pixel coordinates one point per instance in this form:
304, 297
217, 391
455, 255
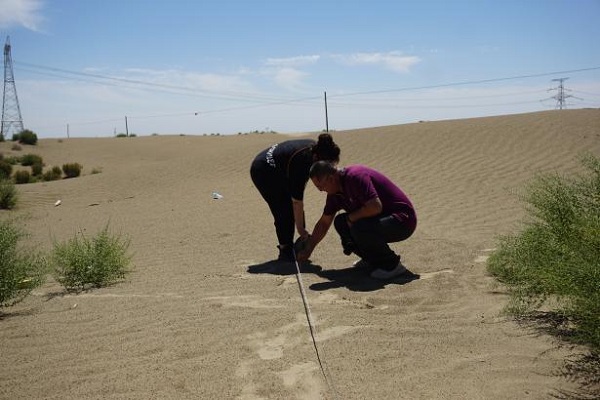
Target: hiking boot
380, 273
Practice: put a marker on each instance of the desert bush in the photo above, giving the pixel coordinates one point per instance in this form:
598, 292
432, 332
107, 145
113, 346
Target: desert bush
53, 174
22, 177
16, 147
555, 260
21, 270
12, 160
26, 137
72, 170
96, 262
36, 169
5, 169
31, 159
8, 194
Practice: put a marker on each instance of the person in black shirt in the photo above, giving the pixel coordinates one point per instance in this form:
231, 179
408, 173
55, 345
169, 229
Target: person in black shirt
280, 174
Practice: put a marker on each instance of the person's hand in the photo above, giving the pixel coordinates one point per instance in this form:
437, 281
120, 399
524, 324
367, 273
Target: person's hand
303, 248
303, 256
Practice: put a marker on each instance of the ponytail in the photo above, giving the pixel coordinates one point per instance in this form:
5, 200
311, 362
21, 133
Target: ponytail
326, 149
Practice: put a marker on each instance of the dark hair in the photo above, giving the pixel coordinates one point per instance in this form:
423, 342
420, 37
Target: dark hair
326, 149
321, 169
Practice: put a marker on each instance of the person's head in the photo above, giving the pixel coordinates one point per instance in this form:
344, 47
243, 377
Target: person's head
326, 149
324, 176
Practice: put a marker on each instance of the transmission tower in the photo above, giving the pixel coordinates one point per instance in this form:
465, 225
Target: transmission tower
12, 122
561, 97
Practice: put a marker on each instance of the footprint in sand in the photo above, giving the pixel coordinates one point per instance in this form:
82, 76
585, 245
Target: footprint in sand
245, 301
271, 346
303, 377
429, 275
332, 298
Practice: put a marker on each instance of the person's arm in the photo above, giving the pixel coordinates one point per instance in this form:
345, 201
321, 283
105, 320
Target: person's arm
371, 208
319, 232
298, 207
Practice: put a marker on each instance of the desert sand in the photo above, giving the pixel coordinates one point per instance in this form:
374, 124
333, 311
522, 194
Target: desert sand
206, 314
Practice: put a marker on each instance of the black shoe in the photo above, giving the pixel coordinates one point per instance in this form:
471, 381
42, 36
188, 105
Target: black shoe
286, 253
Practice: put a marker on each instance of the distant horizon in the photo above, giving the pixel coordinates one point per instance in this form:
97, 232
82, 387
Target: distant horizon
301, 133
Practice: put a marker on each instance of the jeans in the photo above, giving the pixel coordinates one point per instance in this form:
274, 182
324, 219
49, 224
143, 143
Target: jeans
368, 238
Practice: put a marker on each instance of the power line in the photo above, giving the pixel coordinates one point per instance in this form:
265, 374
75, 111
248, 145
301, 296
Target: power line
270, 100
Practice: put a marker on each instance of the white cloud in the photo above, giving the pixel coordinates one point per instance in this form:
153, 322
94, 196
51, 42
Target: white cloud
298, 61
394, 60
26, 13
289, 78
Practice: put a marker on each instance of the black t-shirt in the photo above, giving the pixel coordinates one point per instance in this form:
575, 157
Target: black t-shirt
291, 160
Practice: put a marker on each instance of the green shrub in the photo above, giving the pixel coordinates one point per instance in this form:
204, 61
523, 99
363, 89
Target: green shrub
31, 159
5, 169
36, 169
8, 194
557, 255
21, 270
99, 261
22, 177
12, 160
72, 170
53, 174
26, 137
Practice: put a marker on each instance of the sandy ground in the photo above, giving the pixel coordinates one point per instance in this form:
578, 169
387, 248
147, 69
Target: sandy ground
206, 314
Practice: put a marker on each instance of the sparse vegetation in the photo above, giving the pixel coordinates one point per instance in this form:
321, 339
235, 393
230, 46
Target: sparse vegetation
22, 177
27, 160
555, 260
20, 270
96, 262
8, 194
5, 169
36, 169
53, 174
26, 137
72, 170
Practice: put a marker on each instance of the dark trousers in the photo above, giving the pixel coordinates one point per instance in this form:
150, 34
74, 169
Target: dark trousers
274, 191
368, 238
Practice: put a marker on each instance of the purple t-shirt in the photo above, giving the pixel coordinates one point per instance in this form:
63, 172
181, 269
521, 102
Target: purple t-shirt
361, 184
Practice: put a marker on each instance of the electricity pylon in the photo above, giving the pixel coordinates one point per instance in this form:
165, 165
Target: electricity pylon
12, 122
561, 97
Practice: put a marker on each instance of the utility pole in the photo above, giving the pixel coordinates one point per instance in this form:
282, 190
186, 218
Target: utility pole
12, 122
326, 117
126, 127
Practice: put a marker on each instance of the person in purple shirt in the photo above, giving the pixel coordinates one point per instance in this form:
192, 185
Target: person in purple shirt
377, 212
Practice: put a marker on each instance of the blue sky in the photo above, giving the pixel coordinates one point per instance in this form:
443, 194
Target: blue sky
225, 66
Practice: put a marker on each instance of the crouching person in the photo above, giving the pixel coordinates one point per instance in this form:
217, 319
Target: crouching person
375, 212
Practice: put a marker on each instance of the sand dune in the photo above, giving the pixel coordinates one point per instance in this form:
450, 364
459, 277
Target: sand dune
205, 315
